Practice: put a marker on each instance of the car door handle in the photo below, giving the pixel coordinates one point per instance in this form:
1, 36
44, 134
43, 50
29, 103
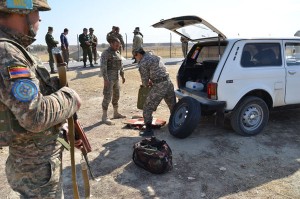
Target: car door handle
291, 72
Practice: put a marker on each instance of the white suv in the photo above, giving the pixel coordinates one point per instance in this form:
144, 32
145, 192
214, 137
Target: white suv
241, 79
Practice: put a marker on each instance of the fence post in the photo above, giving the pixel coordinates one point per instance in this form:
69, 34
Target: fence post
170, 45
126, 44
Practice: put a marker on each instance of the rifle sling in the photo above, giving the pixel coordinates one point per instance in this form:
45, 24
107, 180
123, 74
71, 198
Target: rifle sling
71, 133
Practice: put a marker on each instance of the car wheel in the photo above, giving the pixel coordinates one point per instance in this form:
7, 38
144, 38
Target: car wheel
185, 117
250, 116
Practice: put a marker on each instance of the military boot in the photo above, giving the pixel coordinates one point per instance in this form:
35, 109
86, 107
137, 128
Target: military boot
148, 131
105, 119
117, 115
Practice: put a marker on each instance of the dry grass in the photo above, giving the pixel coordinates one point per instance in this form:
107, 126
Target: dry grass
163, 51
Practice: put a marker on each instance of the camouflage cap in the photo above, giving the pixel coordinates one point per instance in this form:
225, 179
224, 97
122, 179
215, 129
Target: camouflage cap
25, 8
91, 29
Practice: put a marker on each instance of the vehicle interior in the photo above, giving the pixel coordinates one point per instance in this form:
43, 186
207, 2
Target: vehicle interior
201, 63
261, 54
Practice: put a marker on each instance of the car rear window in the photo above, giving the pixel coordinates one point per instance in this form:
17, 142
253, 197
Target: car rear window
210, 53
261, 55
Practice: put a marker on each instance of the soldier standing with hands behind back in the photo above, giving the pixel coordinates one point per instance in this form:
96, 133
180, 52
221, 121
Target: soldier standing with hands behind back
51, 43
33, 107
111, 67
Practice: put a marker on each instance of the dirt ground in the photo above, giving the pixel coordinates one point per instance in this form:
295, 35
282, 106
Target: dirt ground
213, 162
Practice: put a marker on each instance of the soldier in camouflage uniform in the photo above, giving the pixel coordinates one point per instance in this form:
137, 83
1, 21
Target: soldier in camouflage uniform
153, 73
94, 42
51, 43
137, 42
109, 35
32, 107
111, 67
120, 37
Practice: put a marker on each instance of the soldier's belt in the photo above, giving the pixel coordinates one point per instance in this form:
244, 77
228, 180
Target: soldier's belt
161, 79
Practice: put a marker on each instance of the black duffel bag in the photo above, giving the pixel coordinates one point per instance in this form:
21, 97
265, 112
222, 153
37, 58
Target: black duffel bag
153, 155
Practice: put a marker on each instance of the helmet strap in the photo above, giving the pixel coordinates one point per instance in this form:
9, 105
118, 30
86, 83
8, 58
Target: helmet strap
31, 32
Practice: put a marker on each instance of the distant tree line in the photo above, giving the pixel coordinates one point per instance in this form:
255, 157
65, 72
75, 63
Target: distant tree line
38, 48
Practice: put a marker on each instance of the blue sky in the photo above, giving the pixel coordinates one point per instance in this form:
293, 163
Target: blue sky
234, 18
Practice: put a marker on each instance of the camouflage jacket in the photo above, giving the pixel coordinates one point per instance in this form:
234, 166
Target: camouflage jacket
93, 40
31, 104
151, 67
51, 43
109, 36
137, 42
118, 36
111, 64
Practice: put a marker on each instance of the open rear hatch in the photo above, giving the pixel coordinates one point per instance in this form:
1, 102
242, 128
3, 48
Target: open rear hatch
193, 28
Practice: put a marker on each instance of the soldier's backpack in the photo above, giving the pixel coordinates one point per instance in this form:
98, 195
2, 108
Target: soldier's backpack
153, 155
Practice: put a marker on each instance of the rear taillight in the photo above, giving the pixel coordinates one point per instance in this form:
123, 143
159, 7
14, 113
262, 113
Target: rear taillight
212, 90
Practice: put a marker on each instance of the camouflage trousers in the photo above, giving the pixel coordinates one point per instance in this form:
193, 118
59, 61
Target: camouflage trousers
163, 90
111, 94
42, 181
94, 53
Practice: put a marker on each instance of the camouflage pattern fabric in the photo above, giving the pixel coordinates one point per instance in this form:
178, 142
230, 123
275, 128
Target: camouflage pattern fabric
109, 36
153, 155
111, 67
41, 5
137, 42
184, 46
94, 42
33, 167
120, 37
152, 68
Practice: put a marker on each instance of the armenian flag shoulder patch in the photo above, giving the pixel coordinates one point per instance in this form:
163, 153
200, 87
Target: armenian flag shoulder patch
18, 72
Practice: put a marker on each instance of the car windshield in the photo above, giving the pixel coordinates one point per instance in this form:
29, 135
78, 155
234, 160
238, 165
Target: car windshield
197, 31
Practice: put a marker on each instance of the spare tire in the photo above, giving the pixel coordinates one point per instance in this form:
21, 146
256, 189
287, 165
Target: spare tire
185, 117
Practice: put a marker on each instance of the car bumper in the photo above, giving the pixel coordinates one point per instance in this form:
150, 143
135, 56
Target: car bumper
206, 104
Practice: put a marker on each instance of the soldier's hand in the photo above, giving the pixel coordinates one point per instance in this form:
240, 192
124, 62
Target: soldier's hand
78, 144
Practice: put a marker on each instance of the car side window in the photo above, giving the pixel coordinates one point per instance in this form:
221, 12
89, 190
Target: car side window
292, 54
261, 55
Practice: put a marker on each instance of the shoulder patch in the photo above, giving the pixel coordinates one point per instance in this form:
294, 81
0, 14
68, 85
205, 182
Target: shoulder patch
18, 72
24, 90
